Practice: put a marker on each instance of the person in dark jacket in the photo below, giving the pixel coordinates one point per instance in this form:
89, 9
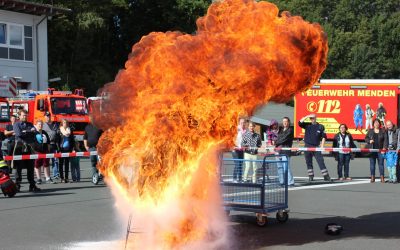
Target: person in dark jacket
285, 140
24, 144
10, 136
90, 140
52, 129
376, 138
314, 136
66, 145
42, 142
391, 156
343, 139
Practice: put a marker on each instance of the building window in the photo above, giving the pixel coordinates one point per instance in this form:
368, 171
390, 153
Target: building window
3, 33
16, 35
16, 42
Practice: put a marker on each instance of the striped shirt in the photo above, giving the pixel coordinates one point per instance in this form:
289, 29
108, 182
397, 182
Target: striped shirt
251, 141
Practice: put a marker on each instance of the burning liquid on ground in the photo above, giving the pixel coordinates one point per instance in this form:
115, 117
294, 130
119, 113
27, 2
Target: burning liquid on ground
175, 106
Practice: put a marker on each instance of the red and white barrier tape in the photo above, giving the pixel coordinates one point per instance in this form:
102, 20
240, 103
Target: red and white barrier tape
267, 149
342, 150
44, 156
315, 149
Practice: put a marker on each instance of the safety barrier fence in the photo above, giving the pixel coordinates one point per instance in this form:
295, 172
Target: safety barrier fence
319, 149
344, 150
261, 150
44, 156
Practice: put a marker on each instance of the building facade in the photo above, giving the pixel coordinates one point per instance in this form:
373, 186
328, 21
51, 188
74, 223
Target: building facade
23, 42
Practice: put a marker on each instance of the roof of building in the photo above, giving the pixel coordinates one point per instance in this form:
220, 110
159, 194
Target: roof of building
271, 110
259, 120
32, 8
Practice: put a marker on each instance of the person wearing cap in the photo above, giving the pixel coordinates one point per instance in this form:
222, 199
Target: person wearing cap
51, 129
314, 136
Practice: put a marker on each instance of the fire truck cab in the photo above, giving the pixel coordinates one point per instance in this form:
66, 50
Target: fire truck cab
60, 104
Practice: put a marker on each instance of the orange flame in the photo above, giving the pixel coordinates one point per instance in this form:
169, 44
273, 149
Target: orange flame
177, 102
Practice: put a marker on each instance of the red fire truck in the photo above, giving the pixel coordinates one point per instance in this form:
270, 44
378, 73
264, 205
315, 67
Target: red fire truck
334, 102
60, 104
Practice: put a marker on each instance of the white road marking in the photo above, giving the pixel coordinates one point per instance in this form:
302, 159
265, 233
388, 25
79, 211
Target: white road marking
317, 186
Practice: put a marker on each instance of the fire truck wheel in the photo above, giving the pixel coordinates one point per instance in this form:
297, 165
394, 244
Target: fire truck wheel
282, 217
262, 220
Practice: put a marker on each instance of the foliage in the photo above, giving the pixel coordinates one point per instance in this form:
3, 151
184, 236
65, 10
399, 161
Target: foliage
363, 35
88, 46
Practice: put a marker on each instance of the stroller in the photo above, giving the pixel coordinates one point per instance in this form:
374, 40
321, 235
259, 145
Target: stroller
97, 176
7, 186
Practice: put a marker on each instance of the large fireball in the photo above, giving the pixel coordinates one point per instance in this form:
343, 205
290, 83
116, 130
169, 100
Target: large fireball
176, 104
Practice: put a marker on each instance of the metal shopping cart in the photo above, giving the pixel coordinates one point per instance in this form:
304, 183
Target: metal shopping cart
266, 193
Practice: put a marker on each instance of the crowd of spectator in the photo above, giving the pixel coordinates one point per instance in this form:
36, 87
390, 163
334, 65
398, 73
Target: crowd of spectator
25, 138
384, 137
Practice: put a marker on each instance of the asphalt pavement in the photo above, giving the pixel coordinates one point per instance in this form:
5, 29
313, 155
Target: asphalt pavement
64, 216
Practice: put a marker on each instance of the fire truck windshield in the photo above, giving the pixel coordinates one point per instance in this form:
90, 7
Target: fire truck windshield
4, 111
68, 105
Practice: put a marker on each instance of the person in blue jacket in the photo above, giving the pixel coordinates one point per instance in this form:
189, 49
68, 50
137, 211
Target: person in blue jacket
314, 137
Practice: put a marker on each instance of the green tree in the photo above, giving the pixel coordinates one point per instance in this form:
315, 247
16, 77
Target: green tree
90, 45
363, 35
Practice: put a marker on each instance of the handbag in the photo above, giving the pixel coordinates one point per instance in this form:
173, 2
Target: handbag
65, 143
368, 146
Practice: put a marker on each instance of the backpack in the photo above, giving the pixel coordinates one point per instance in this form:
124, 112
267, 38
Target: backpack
7, 186
4, 167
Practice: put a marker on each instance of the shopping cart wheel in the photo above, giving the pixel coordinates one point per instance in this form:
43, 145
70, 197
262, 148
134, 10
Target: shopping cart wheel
95, 178
261, 220
282, 216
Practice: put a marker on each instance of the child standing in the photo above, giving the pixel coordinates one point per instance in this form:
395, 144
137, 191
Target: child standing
391, 156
